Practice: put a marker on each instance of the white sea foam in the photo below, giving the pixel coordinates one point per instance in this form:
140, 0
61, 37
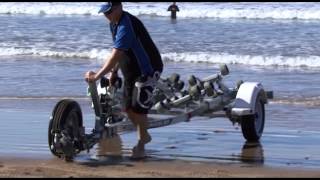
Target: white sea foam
90, 54
193, 57
306, 101
311, 61
255, 10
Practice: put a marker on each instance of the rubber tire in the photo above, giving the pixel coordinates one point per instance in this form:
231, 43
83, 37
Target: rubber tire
58, 119
248, 123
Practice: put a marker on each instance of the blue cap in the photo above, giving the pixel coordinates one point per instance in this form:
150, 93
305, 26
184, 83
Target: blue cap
105, 7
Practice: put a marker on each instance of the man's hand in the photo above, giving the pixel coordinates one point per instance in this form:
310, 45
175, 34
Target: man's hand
90, 76
113, 78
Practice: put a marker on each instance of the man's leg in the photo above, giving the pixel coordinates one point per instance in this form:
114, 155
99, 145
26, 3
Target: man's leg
141, 122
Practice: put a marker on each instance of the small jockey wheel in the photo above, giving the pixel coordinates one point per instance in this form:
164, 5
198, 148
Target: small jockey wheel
65, 130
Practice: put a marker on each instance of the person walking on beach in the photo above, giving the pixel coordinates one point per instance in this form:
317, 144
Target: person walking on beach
139, 60
173, 8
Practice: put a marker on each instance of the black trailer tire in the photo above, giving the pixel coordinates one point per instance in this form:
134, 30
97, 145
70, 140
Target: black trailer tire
51, 130
66, 111
252, 125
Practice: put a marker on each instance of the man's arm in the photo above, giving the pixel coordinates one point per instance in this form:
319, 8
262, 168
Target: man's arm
115, 69
177, 8
116, 55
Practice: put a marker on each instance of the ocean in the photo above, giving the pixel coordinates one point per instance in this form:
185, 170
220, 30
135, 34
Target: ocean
46, 48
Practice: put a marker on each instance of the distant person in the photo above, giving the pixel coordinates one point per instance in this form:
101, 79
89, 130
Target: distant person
173, 8
139, 59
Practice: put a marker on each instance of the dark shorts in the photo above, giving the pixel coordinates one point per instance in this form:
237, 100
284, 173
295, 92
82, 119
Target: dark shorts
138, 94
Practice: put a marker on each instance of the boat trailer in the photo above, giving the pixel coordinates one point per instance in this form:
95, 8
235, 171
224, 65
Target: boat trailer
243, 104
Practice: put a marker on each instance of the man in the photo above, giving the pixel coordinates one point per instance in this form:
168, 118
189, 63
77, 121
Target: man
173, 8
136, 55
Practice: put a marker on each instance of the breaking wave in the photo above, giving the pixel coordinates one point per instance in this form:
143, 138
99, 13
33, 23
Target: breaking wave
247, 10
192, 57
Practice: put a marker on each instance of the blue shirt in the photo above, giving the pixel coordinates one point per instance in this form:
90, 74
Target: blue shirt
131, 36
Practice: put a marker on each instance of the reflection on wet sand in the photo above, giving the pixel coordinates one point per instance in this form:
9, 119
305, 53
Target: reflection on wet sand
110, 147
252, 152
108, 152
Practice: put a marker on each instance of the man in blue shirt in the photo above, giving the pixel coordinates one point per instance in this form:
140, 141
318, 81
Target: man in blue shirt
135, 53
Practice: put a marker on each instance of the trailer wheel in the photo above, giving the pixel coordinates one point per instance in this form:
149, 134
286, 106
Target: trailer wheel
66, 118
252, 125
50, 132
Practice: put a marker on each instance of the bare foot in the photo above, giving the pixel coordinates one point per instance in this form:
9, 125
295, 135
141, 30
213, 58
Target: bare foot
138, 150
146, 140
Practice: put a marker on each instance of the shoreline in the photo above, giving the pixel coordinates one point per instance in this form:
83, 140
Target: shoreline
150, 167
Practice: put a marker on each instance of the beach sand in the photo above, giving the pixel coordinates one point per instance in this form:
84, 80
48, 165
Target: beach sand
150, 167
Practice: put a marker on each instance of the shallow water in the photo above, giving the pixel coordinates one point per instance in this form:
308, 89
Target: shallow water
289, 137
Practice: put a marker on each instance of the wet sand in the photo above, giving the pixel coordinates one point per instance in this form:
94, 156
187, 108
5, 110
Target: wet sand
195, 149
150, 167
